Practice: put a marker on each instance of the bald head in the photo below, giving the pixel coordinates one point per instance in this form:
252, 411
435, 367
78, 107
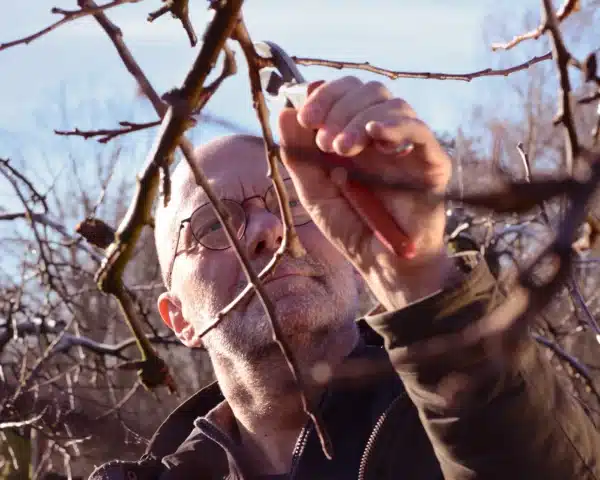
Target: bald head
317, 296
242, 155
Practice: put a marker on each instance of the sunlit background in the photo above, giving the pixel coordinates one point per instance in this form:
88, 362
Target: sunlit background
73, 78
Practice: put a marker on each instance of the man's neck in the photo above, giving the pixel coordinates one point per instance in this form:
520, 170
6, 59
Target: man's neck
266, 402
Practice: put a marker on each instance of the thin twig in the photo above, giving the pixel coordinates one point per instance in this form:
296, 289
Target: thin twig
107, 134
23, 423
579, 301
179, 9
395, 74
35, 195
291, 242
575, 364
524, 161
68, 16
563, 12
562, 58
128, 396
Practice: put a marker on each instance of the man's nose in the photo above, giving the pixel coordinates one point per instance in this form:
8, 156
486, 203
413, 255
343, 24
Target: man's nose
264, 232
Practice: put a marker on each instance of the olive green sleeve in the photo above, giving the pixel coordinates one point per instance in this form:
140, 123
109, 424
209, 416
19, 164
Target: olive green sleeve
487, 419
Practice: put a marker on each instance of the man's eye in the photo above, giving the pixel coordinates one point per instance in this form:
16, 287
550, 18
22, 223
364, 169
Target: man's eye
294, 203
210, 228
213, 227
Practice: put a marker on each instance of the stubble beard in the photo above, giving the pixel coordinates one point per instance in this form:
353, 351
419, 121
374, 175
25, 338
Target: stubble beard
309, 311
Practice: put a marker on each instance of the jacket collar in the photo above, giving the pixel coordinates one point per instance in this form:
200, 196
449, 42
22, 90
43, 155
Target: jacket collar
205, 429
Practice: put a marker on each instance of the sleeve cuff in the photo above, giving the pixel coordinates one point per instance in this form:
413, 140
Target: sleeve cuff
444, 312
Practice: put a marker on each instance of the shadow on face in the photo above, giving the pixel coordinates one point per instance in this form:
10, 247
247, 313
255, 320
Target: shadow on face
311, 296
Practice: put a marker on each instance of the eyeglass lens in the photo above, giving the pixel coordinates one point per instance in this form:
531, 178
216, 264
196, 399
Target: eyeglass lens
207, 229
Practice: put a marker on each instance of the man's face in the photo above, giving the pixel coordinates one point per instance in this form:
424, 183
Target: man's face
313, 297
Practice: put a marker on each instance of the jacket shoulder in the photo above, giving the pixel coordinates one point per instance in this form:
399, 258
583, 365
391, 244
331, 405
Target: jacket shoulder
167, 438
147, 468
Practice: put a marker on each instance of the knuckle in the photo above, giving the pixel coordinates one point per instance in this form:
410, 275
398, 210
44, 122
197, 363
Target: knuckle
349, 82
402, 106
378, 89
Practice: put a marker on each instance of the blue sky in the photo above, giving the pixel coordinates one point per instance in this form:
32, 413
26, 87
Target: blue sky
73, 78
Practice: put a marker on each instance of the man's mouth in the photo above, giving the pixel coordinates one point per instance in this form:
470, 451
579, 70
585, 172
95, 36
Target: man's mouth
281, 271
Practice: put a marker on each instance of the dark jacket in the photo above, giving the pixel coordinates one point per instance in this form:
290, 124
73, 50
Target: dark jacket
389, 418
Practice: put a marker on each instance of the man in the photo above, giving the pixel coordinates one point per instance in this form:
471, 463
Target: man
459, 391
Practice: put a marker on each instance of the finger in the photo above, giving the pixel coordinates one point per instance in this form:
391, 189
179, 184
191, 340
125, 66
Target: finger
354, 102
401, 130
297, 143
318, 104
354, 137
434, 163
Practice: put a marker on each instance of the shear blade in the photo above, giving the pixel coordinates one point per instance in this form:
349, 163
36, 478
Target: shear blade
271, 81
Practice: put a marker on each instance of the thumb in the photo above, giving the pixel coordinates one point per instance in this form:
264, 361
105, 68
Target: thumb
294, 137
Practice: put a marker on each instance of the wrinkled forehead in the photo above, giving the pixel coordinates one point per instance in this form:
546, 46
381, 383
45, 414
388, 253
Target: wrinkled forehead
235, 167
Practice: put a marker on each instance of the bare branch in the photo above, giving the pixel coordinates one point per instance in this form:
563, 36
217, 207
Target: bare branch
35, 195
579, 300
128, 396
395, 74
179, 9
183, 102
116, 37
69, 341
291, 242
68, 16
108, 134
568, 7
572, 361
562, 58
23, 423
229, 68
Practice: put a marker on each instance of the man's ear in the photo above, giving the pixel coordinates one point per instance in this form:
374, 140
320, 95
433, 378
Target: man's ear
170, 311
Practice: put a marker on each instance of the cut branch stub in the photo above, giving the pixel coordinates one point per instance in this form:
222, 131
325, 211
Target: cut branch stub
96, 232
153, 372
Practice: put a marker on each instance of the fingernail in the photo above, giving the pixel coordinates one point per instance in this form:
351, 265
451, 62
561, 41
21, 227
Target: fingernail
404, 148
325, 140
371, 126
346, 141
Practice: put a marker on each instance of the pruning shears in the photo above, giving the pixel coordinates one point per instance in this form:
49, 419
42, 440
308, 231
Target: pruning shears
285, 80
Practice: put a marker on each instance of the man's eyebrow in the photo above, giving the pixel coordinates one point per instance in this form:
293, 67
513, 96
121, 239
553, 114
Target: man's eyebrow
239, 196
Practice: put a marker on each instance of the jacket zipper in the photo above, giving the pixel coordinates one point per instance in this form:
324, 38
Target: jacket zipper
373, 437
303, 437
299, 448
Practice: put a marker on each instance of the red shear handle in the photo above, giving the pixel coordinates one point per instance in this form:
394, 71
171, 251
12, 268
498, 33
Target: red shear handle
364, 202
378, 219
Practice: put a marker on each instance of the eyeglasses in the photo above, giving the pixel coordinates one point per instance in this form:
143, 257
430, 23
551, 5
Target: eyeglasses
208, 231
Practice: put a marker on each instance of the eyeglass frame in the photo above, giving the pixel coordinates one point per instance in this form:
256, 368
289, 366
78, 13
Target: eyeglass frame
243, 230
